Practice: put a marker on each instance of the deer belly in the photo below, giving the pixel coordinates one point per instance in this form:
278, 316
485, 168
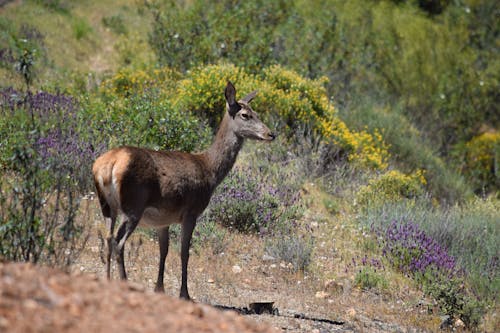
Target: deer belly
158, 218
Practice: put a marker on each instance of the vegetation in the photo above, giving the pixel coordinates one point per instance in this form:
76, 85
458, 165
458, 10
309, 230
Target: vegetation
390, 106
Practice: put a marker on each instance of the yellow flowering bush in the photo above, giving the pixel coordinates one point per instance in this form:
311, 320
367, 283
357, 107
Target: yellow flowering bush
391, 186
299, 105
480, 161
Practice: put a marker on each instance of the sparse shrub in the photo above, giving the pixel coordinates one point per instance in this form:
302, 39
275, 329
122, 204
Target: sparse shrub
61, 6
81, 28
292, 249
391, 186
209, 234
115, 23
368, 278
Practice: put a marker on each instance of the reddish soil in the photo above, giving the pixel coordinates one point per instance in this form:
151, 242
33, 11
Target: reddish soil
42, 299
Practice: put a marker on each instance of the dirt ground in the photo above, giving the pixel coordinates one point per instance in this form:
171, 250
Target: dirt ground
40, 299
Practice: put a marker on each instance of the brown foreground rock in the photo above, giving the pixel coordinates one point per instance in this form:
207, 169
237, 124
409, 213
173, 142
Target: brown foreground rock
41, 299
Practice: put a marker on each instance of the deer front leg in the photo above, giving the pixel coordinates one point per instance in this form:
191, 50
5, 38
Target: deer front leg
187, 233
163, 236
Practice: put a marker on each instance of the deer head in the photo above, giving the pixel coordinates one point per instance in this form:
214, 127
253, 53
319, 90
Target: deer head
244, 121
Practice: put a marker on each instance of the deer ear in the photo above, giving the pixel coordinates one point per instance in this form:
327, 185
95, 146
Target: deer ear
248, 98
230, 94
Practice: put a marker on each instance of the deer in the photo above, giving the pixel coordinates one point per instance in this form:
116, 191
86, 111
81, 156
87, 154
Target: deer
159, 188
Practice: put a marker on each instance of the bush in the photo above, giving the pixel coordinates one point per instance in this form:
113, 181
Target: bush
40, 196
479, 161
415, 253
249, 203
369, 278
140, 112
391, 187
299, 106
442, 69
468, 232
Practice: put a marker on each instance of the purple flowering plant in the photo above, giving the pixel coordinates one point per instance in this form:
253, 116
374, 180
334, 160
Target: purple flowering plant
252, 202
412, 251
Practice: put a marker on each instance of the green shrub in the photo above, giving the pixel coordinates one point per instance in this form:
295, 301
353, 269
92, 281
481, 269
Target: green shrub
479, 161
81, 28
454, 300
115, 23
209, 234
369, 278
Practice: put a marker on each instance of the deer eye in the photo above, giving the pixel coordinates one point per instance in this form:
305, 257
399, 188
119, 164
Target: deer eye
245, 116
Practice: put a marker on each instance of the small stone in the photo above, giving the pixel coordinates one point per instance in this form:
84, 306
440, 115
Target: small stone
30, 304
333, 286
273, 266
322, 294
236, 269
459, 323
210, 281
282, 264
267, 257
4, 323
351, 313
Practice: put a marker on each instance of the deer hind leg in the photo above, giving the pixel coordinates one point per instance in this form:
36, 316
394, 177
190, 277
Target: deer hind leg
124, 232
187, 233
120, 254
111, 243
163, 236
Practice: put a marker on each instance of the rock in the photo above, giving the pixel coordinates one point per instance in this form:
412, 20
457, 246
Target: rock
236, 269
459, 323
322, 294
210, 281
267, 257
333, 286
351, 313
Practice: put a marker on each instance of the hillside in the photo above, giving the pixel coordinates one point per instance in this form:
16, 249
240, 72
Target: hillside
376, 209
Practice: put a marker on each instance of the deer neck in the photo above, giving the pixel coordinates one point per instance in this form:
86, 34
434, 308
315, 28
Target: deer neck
222, 154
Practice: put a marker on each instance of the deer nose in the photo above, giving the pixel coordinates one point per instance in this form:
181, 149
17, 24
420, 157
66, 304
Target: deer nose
272, 136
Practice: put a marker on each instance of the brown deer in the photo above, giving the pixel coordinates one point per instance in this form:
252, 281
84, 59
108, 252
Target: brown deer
159, 188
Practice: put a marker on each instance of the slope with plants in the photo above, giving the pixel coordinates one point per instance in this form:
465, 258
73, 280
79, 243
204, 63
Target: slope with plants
366, 193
